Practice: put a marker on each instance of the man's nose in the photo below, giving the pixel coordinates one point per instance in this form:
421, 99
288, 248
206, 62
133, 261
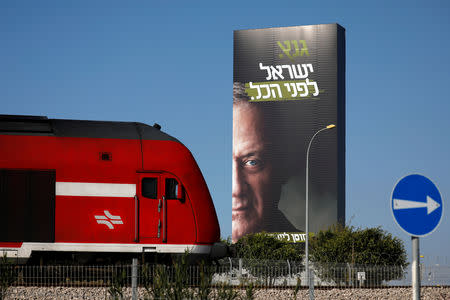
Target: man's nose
237, 180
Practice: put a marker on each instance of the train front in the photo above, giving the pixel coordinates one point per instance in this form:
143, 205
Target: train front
186, 214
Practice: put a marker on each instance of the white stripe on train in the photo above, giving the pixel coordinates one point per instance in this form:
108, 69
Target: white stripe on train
92, 189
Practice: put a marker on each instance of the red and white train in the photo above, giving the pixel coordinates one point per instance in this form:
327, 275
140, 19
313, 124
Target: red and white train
100, 187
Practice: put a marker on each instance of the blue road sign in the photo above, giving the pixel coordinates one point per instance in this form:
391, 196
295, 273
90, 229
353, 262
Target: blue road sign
416, 205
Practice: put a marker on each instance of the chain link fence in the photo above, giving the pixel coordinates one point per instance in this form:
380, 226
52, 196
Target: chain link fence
286, 273
225, 279
234, 272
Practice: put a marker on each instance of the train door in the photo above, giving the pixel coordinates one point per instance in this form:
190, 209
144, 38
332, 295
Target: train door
149, 192
160, 196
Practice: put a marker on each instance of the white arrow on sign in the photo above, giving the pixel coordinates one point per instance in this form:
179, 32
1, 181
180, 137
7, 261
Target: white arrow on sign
431, 205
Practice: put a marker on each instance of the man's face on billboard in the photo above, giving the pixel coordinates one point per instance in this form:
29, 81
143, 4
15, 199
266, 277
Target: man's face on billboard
253, 192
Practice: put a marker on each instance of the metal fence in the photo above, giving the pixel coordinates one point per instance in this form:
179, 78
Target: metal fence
288, 273
232, 272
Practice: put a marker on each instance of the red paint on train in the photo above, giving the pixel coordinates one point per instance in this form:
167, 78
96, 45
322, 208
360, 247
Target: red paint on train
189, 218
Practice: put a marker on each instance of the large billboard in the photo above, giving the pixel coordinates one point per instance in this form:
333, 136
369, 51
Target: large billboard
288, 84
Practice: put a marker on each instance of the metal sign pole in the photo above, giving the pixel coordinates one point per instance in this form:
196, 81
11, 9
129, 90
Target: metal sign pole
417, 207
415, 268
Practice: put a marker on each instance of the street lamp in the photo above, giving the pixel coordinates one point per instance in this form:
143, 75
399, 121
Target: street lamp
311, 293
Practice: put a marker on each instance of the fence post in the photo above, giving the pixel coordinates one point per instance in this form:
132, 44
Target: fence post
134, 271
289, 267
350, 281
231, 269
240, 267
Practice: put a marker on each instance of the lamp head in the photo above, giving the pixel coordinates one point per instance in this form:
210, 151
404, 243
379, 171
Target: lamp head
331, 126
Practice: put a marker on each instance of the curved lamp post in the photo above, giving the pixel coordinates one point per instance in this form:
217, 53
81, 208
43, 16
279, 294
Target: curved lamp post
311, 293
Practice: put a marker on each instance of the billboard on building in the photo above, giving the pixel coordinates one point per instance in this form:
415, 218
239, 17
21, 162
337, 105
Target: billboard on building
288, 83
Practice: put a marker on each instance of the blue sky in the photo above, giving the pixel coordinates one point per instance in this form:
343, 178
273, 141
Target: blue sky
171, 62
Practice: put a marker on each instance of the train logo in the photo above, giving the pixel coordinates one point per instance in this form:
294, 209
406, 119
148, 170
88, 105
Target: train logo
108, 219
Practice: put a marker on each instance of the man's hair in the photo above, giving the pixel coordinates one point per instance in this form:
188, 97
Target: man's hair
279, 127
239, 94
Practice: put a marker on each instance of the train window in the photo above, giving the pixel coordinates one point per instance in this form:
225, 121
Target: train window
171, 188
150, 188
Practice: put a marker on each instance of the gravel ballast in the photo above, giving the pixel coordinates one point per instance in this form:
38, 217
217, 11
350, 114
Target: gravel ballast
427, 293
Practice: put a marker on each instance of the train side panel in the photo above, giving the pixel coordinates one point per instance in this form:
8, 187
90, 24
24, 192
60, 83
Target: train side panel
83, 182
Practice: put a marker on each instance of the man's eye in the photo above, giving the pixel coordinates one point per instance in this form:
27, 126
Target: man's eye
252, 163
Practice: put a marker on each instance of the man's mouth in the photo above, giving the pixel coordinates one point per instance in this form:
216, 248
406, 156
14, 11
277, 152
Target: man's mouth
239, 210
239, 205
